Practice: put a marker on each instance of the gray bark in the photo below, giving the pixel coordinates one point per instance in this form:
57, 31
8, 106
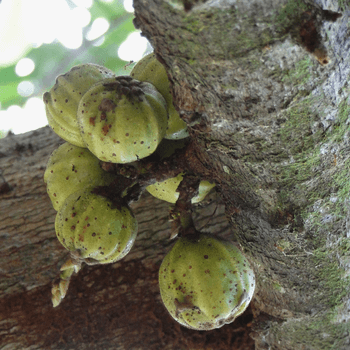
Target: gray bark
263, 87
266, 83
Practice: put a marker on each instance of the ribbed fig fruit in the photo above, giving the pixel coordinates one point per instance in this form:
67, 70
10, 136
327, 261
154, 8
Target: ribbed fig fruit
205, 282
151, 70
92, 229
166, 190
61, 102
71, 168
122, 120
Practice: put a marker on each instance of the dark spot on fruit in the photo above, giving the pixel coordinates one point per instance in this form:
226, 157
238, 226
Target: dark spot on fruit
127, 134
205, 256
54, 195
66, 100
110, 233
92, 121
67, 177
174, 281
94, 234
105, 129
73, 227
172, 271
66, 219
190, 267
73, 214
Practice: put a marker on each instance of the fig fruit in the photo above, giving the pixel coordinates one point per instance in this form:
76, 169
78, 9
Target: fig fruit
71, 168
205, 282
122, 119
151, 70
61, 102
93, 230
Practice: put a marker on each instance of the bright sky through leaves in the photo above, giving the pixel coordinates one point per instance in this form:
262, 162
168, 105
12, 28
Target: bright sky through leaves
24, 27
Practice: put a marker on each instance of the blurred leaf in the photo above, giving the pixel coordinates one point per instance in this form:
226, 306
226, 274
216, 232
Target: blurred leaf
9, 95
118, 34
108, 11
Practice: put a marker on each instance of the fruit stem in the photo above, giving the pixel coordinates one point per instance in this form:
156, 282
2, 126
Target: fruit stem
181, 215
60, 286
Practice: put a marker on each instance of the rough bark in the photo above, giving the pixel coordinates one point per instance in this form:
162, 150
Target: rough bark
111, 307
263, 86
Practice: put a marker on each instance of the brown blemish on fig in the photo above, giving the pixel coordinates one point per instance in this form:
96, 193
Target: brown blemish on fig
105, 129
92, 121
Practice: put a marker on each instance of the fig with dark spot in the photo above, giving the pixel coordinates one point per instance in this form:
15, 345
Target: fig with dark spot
61, 102
138, 120
205, 282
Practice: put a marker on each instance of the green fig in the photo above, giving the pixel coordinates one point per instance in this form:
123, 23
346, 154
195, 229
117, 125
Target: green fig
122, 120
61, 102
93, 230
151, 70
205, 282
71, 168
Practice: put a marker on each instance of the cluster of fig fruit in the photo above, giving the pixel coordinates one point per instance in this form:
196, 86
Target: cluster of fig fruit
114, 122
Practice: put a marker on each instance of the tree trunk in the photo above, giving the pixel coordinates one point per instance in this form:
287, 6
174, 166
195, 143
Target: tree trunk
263, 88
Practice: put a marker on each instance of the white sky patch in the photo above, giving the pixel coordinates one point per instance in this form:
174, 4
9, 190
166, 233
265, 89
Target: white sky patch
24, 67
83, 3
13, 44
128, 5
51, 22
32, 116
82, 16
98, 28
25, 88
133, 48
